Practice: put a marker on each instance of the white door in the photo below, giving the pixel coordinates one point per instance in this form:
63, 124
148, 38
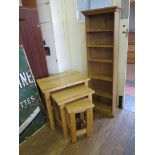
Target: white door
122, 61
123, 47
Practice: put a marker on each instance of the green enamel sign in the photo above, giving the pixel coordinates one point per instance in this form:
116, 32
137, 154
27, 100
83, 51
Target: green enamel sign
31, 112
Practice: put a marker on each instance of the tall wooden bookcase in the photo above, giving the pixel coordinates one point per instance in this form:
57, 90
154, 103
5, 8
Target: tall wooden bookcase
102, 36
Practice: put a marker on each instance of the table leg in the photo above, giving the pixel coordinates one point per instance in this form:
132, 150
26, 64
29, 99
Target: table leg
90, 97
89, 121
49, 110
73, 127
86, 83
63, 121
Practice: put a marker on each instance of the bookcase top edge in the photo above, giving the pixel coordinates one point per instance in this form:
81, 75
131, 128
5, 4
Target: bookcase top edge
102, 10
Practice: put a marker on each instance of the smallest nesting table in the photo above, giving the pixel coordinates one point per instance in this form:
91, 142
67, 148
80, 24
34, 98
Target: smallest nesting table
57, 82
65, 96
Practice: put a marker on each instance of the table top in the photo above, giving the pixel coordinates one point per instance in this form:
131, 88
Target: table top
61, 80
71, 93
79, 106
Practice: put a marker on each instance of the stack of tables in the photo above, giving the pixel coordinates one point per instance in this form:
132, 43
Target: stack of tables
57, 82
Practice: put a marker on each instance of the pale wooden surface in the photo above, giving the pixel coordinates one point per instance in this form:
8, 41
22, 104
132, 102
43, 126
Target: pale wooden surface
102, 35
110, 137
63, 122
81, 132
80, 106
96, 45
75, 107
101, 60
101, 30
61, 80
57, 82
115, 60
89, 123
100, 53
70, 94
101, 10
101, 77
73, 127
49, 109
66, 95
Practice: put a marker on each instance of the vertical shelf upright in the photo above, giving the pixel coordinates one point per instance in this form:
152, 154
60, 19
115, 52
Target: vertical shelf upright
102, 36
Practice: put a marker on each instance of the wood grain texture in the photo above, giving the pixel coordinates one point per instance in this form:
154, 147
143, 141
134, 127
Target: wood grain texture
61, 80
80, 106
130, 148
110, 136
70, 94
118, 139
102, 35
31, 37
100, 53
115, 59
89, 122
103, 108
64, 122
73, 127
102, 10
44, 142
57, 83
81, 132
101, 60
49, 109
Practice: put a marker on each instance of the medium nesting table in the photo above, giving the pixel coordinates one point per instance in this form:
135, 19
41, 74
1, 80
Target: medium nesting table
57, 82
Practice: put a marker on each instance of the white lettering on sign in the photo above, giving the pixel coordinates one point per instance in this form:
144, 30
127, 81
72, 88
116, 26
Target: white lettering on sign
25, 79
26, 102
29, 120
29, 77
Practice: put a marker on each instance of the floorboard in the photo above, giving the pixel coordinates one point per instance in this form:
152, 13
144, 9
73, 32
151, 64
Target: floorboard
129, 104
130, 149
111, 136
116, 142
44, 142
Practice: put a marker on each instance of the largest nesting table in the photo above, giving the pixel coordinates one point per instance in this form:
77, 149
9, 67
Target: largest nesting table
57, 82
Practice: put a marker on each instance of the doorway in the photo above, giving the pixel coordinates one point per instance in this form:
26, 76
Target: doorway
129, 104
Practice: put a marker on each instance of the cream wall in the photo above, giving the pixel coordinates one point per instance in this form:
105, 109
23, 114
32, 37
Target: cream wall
76, 38
69, 36
60, 29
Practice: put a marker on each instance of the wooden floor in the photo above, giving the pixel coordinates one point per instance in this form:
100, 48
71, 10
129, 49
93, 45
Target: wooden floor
130, 74
110, 137
130, 88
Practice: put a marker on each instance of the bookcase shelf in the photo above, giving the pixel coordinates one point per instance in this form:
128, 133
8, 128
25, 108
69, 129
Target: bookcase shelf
105, 46
103, 108
102, 35
100, 30
101, 77
101, 60
103, 94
